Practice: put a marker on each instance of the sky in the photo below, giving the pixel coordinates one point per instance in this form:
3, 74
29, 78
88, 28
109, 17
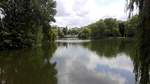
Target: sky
78, 13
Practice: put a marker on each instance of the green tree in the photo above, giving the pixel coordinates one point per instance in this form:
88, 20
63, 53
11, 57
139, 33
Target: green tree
65, 31
52, 35
110, 25
122, 29
132, 26
84, 34
104, 28
98, 29
60, 34
22, 18
143, 64
73, 31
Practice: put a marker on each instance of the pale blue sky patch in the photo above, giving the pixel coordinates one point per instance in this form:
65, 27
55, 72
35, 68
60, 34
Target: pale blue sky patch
103, 2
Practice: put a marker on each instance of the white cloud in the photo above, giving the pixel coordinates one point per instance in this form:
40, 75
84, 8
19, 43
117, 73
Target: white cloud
82, 12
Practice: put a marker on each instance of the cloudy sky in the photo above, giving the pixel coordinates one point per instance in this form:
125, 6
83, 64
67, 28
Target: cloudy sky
77, 13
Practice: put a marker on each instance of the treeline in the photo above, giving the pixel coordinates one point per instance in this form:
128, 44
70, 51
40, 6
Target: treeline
61, 32
110, 27
25, 23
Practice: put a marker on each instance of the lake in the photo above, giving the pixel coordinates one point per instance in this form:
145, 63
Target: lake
107, 61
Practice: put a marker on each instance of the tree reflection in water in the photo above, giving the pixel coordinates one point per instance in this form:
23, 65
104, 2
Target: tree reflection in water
140, 56
32, 66
28, 66
142, 65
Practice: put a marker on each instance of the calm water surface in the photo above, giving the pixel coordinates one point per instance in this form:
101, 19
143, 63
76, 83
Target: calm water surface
107, 61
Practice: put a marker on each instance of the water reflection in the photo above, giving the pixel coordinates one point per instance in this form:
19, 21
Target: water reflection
98, 62
28, 66
109, 61
142, 65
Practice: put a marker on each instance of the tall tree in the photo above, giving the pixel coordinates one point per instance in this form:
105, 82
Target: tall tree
65, 31
45, 11
144, 37
21, 20
111, 24
122, 29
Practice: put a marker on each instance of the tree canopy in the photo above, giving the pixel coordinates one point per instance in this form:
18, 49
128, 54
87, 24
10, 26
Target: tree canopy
110, 27
21, 20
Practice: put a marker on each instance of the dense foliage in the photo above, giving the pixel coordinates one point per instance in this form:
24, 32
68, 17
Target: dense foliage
111, 27
74, 31
132, 26
142, 64
84, 34
22, 22
103, 28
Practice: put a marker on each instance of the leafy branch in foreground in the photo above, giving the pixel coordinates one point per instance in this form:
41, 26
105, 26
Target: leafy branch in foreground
22, 19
